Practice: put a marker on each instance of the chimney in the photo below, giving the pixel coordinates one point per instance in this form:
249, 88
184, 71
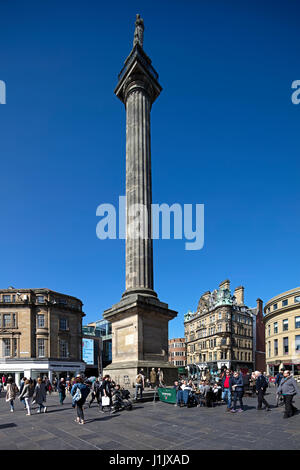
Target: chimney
225, 284
259, 308
239, 295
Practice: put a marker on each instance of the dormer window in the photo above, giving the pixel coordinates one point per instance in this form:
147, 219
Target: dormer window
40, 299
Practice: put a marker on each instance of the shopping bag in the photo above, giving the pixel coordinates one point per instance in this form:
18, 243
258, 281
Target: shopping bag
105, 401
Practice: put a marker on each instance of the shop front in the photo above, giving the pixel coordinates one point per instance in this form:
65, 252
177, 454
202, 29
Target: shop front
34, 369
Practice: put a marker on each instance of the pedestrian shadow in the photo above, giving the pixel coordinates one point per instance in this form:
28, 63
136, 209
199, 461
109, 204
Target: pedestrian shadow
55, 411
103, 418
8, 425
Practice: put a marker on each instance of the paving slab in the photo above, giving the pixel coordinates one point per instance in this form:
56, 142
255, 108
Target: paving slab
150, 425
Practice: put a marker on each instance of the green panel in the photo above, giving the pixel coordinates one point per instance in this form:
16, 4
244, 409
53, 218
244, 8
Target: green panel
167, 395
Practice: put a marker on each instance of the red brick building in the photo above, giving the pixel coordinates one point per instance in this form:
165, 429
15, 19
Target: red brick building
177, 352
260, 349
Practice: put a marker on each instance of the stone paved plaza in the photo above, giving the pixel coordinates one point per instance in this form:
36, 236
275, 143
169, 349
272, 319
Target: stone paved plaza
149, 425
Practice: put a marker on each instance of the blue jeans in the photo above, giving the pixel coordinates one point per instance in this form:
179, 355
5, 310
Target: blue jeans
238, 395
61, 398
182, 395
138, 388
226, 396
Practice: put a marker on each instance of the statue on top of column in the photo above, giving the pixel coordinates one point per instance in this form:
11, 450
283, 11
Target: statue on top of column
139, 31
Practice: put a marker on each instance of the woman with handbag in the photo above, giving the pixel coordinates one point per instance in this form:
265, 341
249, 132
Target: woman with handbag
27, 394
11, 392
79, 393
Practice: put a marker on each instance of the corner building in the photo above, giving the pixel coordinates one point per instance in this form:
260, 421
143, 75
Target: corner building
282, 322
224, 332
40, 333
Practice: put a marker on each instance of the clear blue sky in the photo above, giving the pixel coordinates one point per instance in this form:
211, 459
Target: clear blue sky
224, 133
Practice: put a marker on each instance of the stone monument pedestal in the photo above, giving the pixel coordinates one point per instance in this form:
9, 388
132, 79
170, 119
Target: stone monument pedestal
139, 338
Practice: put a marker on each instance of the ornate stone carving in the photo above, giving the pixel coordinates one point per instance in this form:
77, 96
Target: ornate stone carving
188, 316
224, 297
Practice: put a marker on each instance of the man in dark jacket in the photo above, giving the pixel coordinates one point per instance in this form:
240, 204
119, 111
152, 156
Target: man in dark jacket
238, 391
95, 392
288, 388
261, 387
227, 388
62, 390
279, 377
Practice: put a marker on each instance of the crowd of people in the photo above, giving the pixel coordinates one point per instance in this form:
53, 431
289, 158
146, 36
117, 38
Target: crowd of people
229, 388
31, 392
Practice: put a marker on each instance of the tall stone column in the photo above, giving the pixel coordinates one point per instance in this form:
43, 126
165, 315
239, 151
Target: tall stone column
140, 319
139, 252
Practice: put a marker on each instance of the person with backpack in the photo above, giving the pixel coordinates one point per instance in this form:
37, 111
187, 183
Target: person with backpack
261, 387
11, 392
79, 393
27, 394
288, 388
139, 385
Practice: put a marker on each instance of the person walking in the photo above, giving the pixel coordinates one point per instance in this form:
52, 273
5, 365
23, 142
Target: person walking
79, 393
227, 388
160, 377
288, 388
22, 383
238, 391
3, 381
95, 392
153, 378
261, 387
54, 384
27, 394
279, 377
139, 385
39, 396
11, 392
105, 391
62, 390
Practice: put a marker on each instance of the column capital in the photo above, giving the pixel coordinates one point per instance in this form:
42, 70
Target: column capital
138, 82
138, 73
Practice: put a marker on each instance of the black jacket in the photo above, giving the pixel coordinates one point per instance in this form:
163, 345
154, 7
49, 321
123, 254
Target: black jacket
261, 383
105, 385
62, 387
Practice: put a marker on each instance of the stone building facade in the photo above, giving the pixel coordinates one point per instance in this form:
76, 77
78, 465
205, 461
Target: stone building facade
177, 352
40, 333
223, 332
282, 322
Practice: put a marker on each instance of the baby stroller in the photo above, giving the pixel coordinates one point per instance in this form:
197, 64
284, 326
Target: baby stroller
121, 400
192, 400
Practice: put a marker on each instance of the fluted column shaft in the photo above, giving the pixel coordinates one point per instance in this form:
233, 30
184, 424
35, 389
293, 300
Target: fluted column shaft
139, 251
